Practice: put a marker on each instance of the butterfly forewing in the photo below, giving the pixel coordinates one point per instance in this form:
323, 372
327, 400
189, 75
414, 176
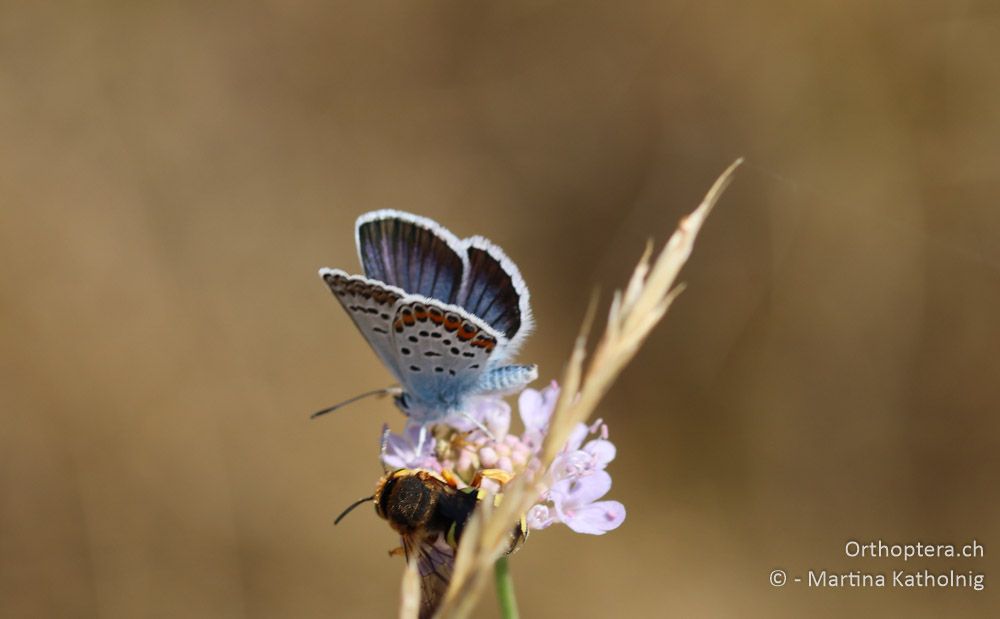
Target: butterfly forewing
494, 291
371, 305
490, 293
442, 352
411, 253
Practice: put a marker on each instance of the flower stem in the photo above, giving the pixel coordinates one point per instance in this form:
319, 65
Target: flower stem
505, 589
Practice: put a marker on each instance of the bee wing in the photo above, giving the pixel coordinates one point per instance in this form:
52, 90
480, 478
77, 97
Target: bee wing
435, 561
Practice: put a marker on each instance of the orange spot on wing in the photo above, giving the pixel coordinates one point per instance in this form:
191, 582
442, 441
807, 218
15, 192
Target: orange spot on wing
468, 331
486, 343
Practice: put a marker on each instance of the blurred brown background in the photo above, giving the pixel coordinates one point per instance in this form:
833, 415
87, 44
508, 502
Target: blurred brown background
172, 176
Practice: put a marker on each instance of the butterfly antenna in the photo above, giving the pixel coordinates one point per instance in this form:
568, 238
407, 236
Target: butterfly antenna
383, 391
351, 508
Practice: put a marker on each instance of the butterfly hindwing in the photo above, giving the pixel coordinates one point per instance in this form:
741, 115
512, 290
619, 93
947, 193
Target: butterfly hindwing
442, 350
412, 253
371, 305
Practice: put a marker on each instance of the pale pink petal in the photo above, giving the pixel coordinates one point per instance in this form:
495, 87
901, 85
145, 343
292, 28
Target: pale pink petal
576, 437
494, 413
539, 517
489, 411
531, 407
601, 451
597, 518
550, 396
395, 462
570, 465
569, 494
533, 440
399, 453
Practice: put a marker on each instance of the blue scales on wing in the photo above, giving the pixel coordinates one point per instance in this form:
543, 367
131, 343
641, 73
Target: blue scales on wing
443, 354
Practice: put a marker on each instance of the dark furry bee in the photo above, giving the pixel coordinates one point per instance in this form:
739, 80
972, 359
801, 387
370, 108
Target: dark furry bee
430, 514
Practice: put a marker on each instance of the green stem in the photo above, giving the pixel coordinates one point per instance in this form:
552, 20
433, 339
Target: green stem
505, 589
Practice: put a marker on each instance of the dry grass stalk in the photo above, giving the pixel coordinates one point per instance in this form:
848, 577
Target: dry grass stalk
631, 318
409, 607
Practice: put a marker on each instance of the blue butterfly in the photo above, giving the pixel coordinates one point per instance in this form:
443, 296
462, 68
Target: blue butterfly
444, 314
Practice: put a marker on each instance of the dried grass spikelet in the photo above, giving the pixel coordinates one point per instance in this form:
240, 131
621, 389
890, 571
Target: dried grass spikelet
631, 318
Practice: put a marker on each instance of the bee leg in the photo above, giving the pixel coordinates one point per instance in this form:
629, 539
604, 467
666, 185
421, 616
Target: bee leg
398, 551
450, 478
498, 475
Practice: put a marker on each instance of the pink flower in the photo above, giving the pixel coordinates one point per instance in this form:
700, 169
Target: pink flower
400, 451
482, 439
576, 504
535, 409
577, 479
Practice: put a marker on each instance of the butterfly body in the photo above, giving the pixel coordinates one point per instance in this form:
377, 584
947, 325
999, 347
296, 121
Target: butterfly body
443, 314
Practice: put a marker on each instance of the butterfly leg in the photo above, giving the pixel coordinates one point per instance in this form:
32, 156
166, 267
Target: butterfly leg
479, 425
383, 445
422, 439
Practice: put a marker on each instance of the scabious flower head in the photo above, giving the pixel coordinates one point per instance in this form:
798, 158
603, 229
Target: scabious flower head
574, 483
